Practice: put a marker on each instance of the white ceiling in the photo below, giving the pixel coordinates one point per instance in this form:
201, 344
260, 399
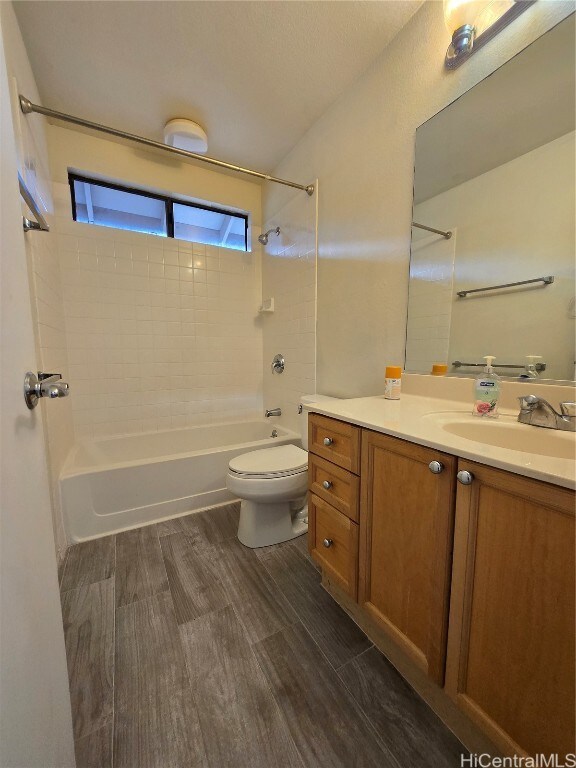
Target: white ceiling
255, 74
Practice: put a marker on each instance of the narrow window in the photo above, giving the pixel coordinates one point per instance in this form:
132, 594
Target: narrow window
112, 205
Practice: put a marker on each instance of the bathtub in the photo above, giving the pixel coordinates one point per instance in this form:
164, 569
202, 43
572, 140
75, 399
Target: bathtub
111, 484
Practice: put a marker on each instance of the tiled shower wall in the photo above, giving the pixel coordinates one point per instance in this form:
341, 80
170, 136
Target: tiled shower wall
161, 333
289, 277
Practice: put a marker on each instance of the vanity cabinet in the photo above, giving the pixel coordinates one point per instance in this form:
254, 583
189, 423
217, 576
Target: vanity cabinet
333, 501
470, 570
511, 642
406, 528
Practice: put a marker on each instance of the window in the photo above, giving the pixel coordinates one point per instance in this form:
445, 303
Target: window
111, 205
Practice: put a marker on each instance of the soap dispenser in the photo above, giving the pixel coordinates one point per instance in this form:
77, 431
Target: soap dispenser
487, 391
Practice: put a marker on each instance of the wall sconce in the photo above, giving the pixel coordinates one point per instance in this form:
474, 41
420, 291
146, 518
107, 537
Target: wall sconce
473, 23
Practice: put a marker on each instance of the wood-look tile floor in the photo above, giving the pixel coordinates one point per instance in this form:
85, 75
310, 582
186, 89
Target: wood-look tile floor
187, 649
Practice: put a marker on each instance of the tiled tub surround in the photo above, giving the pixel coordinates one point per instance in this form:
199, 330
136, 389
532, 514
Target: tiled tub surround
161, 333
289, 277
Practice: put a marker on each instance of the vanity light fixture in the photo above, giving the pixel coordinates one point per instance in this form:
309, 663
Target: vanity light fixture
474, 22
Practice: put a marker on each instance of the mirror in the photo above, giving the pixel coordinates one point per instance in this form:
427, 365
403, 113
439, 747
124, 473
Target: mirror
495, 171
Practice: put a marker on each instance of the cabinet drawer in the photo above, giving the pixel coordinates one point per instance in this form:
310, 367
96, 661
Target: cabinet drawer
335, 441
340, 558
334, 485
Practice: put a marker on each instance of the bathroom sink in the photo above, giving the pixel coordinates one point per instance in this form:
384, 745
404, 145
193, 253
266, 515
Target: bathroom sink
507, 433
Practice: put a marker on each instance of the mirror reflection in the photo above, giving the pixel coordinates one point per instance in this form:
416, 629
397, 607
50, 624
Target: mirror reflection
494, 172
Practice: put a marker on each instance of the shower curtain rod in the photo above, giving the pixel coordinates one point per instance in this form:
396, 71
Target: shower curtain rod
27, 107
447, 235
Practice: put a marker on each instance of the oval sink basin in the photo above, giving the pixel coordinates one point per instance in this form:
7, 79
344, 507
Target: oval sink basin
512, 435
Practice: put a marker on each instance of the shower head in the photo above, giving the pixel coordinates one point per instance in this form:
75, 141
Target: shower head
264, 237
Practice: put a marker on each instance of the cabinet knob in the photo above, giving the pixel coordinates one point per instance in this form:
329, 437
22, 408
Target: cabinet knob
327, 484
465, 477
327, 543
328, 441
436, 467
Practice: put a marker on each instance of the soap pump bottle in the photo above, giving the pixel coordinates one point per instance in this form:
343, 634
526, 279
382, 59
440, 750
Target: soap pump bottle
487, 391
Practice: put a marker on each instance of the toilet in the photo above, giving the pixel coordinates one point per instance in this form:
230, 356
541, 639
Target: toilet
272, 484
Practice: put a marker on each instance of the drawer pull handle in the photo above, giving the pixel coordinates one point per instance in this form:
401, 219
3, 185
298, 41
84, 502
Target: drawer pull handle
327, 543
465, 477
328, 441
436, 467
327, 484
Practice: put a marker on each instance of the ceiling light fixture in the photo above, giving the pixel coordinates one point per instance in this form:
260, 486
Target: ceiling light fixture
185, 134
474, 22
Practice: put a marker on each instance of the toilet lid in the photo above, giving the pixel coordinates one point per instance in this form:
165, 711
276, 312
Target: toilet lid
279, 461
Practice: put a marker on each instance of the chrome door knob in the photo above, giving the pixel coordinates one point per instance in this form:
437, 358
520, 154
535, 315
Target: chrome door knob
436, 467
465, 477
328, 441
327, 484
327, 543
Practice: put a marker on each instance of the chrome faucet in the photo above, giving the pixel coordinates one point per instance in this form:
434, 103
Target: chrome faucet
539, 413
273, 412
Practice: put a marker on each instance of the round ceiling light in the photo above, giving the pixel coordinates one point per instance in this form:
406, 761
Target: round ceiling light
185, 134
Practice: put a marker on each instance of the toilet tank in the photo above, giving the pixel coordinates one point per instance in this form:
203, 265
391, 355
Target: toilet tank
304, 400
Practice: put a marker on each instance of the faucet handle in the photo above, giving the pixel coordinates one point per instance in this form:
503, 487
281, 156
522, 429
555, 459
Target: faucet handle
568, 409
528, 402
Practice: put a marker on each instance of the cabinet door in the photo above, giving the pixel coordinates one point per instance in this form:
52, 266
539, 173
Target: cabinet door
511, 641
406, 527
333, 543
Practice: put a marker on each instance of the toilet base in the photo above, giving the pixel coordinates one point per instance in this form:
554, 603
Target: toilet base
262, 525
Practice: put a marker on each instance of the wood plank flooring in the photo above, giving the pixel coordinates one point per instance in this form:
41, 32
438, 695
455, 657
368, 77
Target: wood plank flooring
187, 649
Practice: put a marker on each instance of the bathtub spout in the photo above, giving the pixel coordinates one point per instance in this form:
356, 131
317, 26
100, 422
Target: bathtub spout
273, 412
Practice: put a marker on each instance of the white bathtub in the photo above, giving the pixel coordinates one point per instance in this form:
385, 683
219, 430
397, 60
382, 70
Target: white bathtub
111, 484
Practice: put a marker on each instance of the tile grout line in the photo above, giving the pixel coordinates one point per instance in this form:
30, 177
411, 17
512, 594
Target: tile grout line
64, 564
354, 658
188, 678
267, 681
334, 671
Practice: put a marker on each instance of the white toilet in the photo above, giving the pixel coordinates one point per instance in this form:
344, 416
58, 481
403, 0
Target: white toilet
272, 484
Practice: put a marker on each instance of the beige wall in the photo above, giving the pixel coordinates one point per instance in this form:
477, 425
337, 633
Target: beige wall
362, 151
153, 169
515, 222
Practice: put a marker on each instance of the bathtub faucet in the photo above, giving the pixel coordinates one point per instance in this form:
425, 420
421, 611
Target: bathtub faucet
273, 412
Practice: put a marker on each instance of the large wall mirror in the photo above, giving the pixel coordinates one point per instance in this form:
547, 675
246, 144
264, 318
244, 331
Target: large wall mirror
495, 171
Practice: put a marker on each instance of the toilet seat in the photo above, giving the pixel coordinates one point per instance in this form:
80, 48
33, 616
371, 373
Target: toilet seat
268, 463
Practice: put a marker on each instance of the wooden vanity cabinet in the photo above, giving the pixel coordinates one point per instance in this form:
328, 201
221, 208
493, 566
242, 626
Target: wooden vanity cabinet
333, 484
406, 530
512, 622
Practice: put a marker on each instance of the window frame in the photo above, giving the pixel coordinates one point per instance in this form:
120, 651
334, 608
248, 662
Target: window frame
168, 200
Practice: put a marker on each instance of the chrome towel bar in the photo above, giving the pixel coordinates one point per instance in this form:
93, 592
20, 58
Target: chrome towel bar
545, 280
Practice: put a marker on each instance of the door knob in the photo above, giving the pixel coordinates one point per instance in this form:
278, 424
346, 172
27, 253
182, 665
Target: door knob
44, 385
328, 441
327, 484
465, 477
436, 467
327, 543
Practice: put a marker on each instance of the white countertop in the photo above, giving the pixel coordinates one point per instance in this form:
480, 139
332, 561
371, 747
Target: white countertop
408, 418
